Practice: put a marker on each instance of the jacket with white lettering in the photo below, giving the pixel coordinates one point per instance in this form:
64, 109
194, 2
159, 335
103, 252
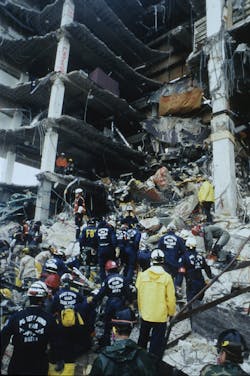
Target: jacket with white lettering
106, 235
114, 286
66, 298
173, 247
32, 329
133, 239
89, 237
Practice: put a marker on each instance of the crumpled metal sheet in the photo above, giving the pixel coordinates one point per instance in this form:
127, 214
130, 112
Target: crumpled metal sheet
175, 130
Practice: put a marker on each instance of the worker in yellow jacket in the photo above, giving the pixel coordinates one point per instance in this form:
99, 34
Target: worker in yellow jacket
156, 303
206, 199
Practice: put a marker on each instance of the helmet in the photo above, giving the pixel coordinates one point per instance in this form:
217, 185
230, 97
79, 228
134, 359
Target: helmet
62, 154
171, 226
191, 242
78, 190
233, 343
7, 294
111, 223
52, 281
59, 252
110, 264
26, 250
51, 266
157, 256
70, 160
129, 208
66, 279
184, 234
38, 289
196, 230
125, 317
91, 222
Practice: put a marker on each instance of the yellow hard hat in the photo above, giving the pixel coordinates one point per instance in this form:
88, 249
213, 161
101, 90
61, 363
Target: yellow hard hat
6, 293
26, 250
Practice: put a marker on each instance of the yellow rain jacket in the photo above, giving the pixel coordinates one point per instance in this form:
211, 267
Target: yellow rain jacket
206, 192
155, 294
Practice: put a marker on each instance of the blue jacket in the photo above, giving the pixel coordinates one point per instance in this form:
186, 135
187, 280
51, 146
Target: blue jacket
133, 239
114, 286
32, 329
89, 237
106, 235
173, 247
66, 298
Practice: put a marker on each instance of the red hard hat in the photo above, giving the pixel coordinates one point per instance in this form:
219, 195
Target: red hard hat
196, 230
52, 281
110, 264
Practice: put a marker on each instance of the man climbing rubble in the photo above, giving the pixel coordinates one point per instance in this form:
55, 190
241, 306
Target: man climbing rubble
173, 247
191, 265
79, 210
209, 233
206, 199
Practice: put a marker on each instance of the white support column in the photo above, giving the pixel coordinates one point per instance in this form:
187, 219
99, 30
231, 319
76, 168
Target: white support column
8, 168
55, 111
221, 124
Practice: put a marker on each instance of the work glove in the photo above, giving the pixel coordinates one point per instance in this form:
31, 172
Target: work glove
89, 299
117, 252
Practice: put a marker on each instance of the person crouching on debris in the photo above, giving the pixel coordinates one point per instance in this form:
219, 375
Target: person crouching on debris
211, 232
27, 267
79, 210
156, 303
191, 265
231, 347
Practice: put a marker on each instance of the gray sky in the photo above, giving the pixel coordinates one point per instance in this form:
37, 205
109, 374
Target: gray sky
23, 175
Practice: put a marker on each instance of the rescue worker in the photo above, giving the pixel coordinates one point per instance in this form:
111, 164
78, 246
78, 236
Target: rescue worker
156, 303
206, 199
88, 242
173, 247
61, 163
79, 210
35, 234
133, 237
209, 233
59, 258
231, 346
116, 288
144, 258
70, 169
73, 333
130, 218
106, 240
124, 357
27, 267
191, 265
25, 231
32, 329
7, 305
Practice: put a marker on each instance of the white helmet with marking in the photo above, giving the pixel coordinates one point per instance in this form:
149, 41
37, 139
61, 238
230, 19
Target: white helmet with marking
191, 242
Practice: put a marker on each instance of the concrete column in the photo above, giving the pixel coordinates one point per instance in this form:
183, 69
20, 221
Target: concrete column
8, 168
55, 111
221, 125
10, 157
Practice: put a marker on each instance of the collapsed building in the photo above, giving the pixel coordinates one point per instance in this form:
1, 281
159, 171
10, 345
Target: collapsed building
119, 86
145, 96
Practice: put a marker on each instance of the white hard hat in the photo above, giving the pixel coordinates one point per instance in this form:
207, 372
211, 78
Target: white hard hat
51, 266
111, 223
184, 234
191, 242
38, 289
171, 226
129, 207
66, 279
157, 256
78, 190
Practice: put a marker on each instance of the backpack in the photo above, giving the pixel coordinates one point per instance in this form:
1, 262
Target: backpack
69, 317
